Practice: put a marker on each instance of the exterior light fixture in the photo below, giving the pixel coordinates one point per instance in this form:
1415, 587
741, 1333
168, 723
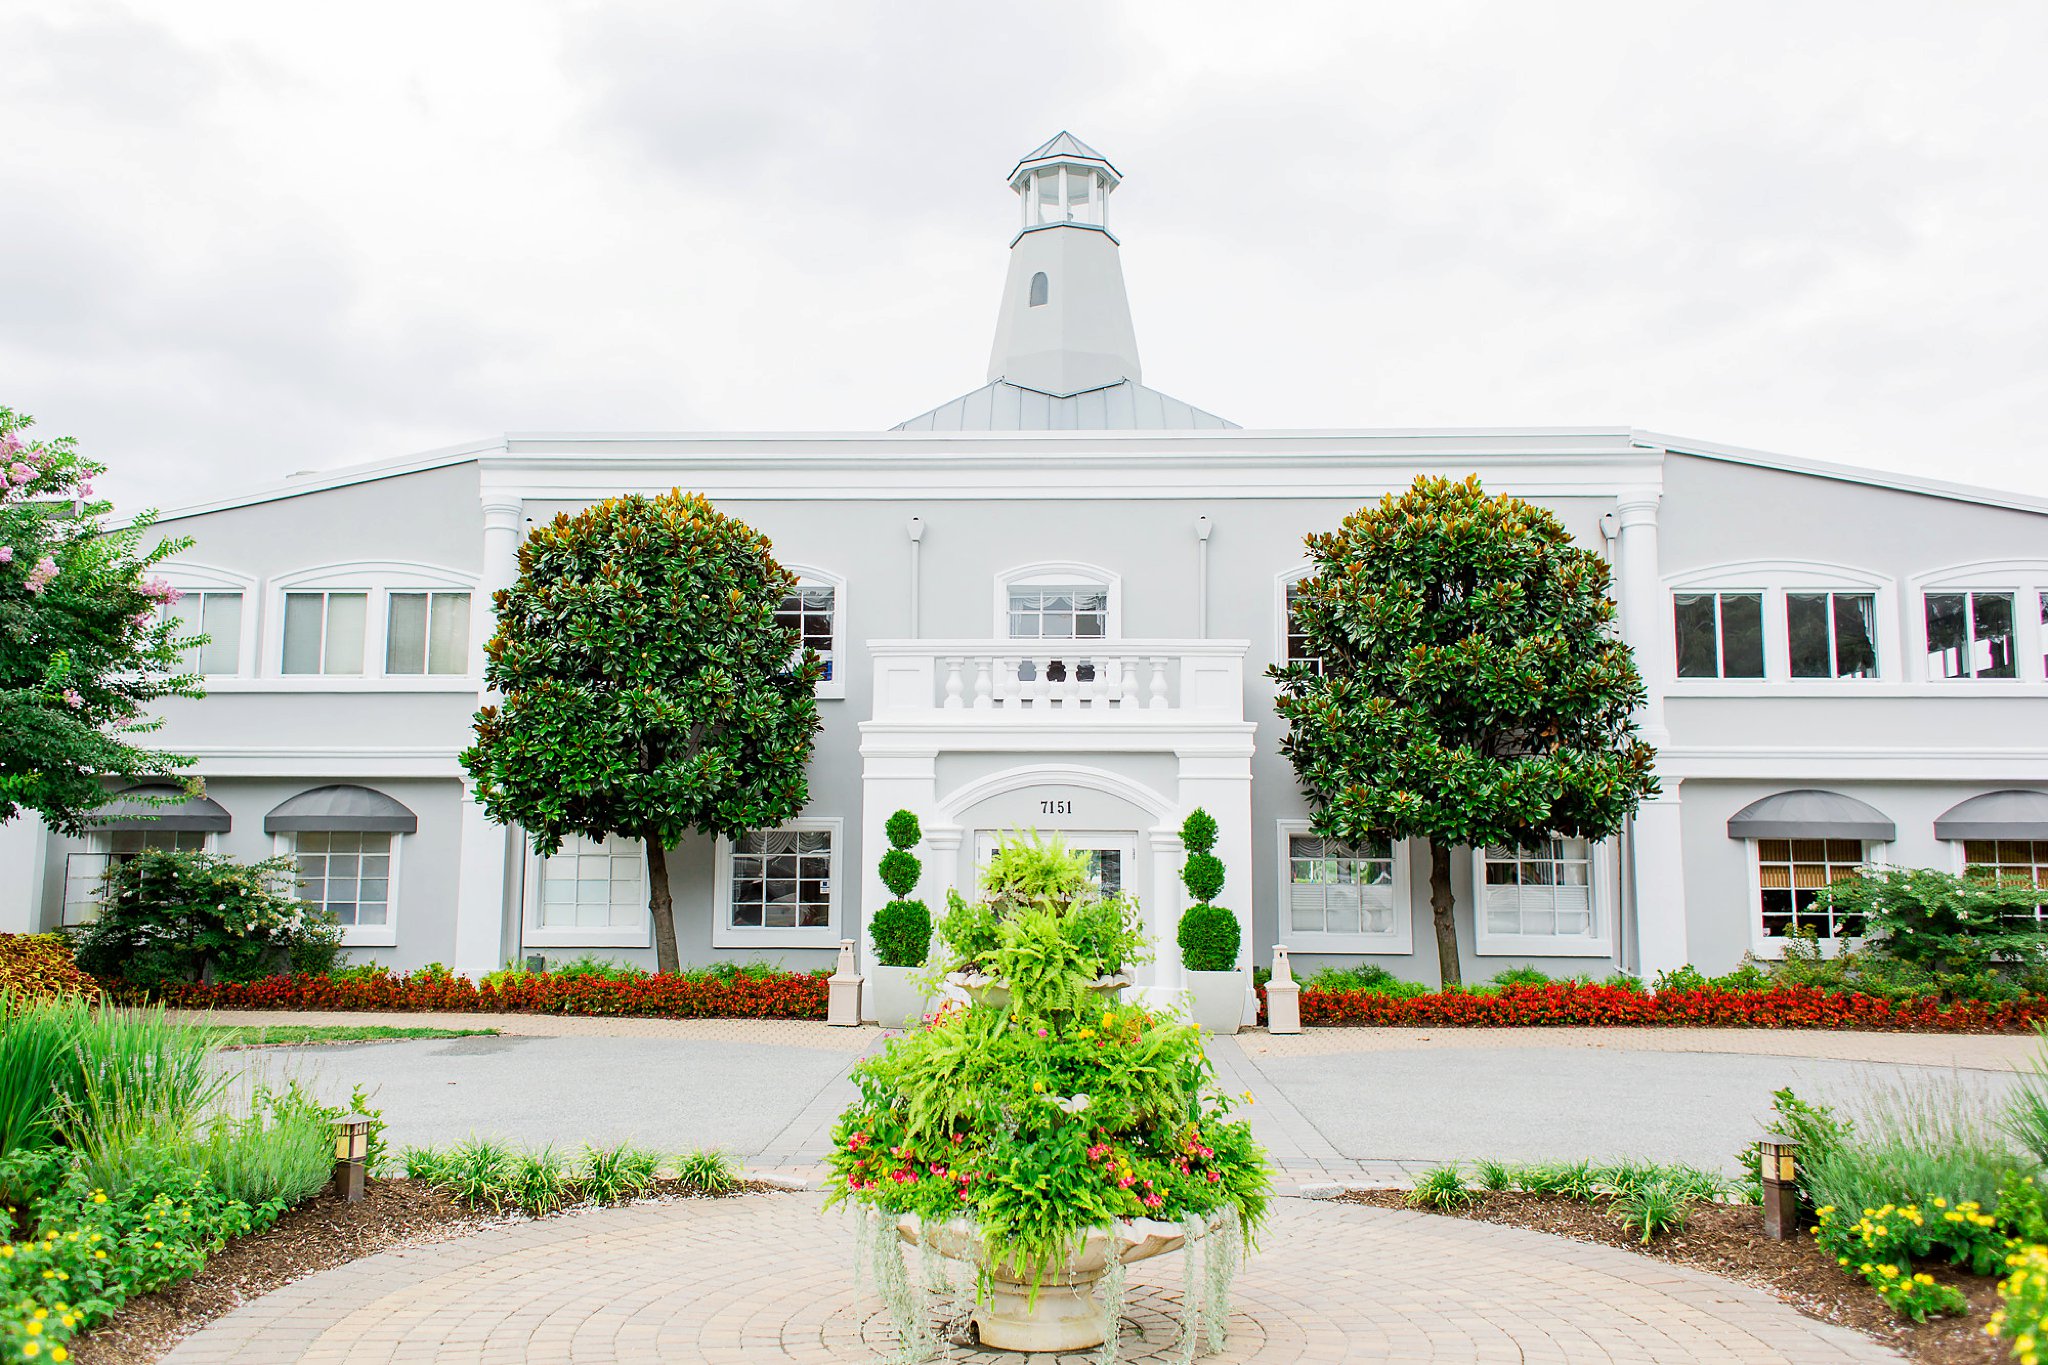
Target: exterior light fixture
351, 1148
1780, 1165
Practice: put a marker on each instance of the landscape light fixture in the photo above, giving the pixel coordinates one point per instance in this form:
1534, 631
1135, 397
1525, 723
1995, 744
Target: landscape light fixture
1781, 1186
351, 1148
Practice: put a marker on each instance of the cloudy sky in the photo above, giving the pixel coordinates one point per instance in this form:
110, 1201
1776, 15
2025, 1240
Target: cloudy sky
239, 240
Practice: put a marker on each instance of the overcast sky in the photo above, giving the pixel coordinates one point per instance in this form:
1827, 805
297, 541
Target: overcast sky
239, 240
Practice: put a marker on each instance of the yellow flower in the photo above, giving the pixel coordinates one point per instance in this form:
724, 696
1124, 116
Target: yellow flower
98, 1197
58, 1353
31, 1348
32, 1328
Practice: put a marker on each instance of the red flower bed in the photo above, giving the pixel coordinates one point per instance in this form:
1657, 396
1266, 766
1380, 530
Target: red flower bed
781, 995
1563, 1002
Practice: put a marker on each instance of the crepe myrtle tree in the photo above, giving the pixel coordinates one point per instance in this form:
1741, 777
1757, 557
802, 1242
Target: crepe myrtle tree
85, 643
647, 689
1472, 688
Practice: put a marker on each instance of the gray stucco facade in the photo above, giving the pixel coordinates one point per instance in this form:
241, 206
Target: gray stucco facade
1182, 542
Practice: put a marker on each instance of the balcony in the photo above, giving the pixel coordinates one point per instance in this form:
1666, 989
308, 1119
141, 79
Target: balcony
1074, 680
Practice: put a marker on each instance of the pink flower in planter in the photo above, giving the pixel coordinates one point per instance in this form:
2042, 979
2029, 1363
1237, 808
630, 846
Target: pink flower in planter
39, 577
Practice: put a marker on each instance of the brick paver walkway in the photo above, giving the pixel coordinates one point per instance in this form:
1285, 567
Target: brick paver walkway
768, 1278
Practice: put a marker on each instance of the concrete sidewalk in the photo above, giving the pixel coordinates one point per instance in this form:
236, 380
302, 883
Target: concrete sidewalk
1346, 1105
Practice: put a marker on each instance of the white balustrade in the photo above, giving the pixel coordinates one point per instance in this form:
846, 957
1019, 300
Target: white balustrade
1065, 677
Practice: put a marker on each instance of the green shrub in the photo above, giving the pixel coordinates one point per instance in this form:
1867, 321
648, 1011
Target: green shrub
1653, 1208
1198, 831
902, 934
2026, 1110
1441, 1189
707, 1171
599, 969
1521, 976
169, 916
902, 830
282, 1150
1209, 938
1366, 977
1917, 1140
1495, 1177
1203, 875
900, 869
538, 1181
610, 1174
1939, 921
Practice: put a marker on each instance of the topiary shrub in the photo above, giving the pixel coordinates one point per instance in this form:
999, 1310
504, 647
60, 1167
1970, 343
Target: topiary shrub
902, 929
1209, 934
1209, 939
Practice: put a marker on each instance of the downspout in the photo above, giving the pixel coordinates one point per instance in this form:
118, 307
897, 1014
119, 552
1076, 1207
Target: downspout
1203, 526
916, 529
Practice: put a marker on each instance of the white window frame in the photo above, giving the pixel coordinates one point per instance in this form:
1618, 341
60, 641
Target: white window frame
811, 576
1773, 579
377, 579
1400, 942
196, 578
1119, 841
469, 643
100, 845
725, 934
1960, 865
1062, 573
533, 934
1876, 853
284, 844
1282, 581
2025, 579
1601, 897
1718, 596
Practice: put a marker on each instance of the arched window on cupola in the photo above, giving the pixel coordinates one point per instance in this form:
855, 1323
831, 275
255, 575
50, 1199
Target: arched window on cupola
1041, 289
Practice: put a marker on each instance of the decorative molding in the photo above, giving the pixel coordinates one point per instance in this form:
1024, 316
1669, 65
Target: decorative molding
1063, 774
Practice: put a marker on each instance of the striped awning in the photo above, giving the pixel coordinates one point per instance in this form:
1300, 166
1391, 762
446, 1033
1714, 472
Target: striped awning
1810, 813
2011, 814
138, 807
343, 808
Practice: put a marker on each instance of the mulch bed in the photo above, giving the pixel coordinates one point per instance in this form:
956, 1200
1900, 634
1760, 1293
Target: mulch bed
1728, 1241
315, 1236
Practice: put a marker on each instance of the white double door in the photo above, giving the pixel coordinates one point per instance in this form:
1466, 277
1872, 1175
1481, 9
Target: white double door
1112, 854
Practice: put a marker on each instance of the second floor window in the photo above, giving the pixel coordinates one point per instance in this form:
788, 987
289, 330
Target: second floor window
1970, 635
217, 616
808, 612
1831, 634
323, 631
1299, 650
1720, 634
427, 632
1058, 613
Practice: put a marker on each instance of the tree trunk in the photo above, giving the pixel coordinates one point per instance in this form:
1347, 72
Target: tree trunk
662, 906
1440, 903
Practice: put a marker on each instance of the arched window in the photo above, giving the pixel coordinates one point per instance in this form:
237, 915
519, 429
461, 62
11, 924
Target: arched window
1041, 288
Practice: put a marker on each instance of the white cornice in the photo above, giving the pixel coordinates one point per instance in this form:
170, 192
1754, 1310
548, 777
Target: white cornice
1875, 763
303, 761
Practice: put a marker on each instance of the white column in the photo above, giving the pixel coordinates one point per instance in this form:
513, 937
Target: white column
1220, 782
1657, 833
1160, 981
480, 893
23, 843
504, 528
891, 782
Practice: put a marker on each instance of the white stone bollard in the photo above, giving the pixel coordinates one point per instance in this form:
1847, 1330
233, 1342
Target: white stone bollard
843, 1004
1283, 996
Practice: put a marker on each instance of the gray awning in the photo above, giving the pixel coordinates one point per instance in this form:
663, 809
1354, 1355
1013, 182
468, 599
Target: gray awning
341, 808
134, 808
1996, 815
1811, 814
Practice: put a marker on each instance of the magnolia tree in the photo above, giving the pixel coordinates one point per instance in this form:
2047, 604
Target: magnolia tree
647, 687
1471, 688
85, 640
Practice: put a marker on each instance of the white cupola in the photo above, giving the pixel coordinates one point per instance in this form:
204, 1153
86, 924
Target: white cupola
1065, 325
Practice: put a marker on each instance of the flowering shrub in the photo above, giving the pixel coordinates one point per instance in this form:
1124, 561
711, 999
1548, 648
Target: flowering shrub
176, 916
727, 994
36, 965
1585, 1003
2022, 1314
1884, 1242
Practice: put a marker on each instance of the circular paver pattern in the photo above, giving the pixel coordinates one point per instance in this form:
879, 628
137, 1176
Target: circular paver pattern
769, 1278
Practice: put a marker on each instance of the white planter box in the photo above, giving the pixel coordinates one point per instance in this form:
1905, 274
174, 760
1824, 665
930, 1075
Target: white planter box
1217, 999
898, 1000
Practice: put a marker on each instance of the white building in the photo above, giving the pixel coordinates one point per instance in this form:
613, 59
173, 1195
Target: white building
1050, 603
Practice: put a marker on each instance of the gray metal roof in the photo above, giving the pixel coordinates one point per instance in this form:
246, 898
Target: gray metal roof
1996, 815
138, 808
1811, 814
1064, 143
342, 808
1122, 406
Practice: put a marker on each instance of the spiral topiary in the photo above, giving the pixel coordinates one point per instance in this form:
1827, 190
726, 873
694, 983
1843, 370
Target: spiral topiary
1209, 935
902, 929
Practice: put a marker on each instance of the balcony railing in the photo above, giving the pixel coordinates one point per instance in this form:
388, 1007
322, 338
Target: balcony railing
1072, 678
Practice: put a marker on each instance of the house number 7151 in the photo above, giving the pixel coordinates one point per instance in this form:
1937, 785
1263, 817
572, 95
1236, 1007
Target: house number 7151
1056, 808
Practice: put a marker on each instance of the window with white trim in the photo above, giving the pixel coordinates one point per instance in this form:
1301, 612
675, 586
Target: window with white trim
1068, 612
1720, 634
347, 873
1340, 888
1299, 650
85, 872
1971, 635
324, 632
781, 879
426, 632
2010, 860
809, 612
1831, 634
218, 617
588, 884
1790, 874
1542, 892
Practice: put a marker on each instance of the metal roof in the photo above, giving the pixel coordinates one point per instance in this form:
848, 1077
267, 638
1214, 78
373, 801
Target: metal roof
1122, 406
341, 807
163, 805
1811, 814
1063, 144
1996, 815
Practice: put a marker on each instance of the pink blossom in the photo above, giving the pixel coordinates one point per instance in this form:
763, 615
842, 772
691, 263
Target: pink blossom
6, 554
10, 444
19, 472
72, 699
159, 590
39, 577
142, 620
85, 489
